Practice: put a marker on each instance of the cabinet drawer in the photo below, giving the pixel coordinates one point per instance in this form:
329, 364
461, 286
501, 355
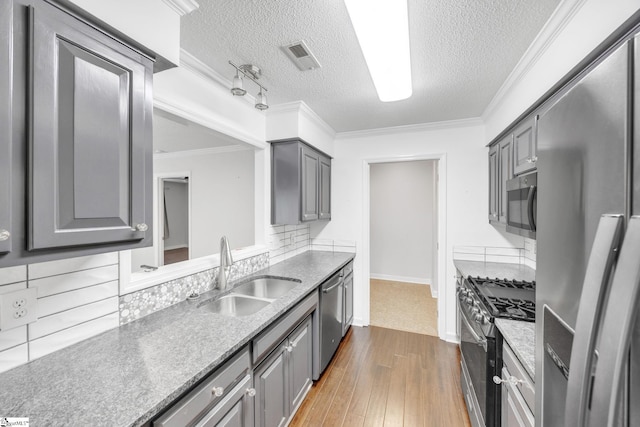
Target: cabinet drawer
189, 408
348, 269
526, 387
266, 341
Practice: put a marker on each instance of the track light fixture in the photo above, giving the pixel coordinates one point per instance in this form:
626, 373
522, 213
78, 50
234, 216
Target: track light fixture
252, 73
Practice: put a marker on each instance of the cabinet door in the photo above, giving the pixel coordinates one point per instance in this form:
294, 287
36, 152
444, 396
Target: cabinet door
505, 173
6, 81
524, 147
90, 135
300, 363
235, 410
310, 185
514, 412
272, 408
493, 183
325, 188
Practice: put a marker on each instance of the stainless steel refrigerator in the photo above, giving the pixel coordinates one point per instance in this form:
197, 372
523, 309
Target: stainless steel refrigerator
588, 257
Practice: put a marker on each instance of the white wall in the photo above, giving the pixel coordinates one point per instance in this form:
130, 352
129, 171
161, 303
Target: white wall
152, 23
463, 174
402, 217
222, 197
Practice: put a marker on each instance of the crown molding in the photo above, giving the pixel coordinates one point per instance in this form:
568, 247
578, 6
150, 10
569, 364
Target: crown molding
563, 14
196, 66
421, 127
200, 152
182, 7
302, 108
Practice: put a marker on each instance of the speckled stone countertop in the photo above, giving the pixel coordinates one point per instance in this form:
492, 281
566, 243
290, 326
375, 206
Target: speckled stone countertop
521, 337
125, 376
495, 270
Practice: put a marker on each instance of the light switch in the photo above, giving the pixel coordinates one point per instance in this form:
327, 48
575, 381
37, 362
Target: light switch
18, 308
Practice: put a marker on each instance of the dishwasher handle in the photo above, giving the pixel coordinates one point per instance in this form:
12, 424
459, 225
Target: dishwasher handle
329, 289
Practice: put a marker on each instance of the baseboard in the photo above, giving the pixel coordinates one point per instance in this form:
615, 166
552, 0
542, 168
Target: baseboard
434, 293
406, 279
180, 246
452, 338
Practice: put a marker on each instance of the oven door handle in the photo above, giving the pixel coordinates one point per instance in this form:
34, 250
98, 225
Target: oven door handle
481, 341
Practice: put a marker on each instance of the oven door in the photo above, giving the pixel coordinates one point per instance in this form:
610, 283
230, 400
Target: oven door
473, 349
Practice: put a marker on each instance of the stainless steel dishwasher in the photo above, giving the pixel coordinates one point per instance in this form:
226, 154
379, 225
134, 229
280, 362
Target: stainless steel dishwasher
330, 318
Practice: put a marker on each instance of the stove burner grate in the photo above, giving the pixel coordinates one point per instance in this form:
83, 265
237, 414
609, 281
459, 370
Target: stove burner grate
503, 283
512, 308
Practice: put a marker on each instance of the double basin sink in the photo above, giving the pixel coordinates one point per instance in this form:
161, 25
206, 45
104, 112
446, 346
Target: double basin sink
251, 296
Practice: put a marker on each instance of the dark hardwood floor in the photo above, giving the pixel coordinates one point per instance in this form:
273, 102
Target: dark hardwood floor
384, 377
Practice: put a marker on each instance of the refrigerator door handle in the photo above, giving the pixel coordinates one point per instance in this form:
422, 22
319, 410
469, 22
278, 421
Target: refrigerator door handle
619, 317
597, 276
532, 193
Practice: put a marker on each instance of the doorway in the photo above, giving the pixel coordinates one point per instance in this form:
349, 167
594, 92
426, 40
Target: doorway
403, 245
440, 226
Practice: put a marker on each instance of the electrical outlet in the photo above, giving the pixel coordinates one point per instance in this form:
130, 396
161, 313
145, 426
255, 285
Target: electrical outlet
18, 308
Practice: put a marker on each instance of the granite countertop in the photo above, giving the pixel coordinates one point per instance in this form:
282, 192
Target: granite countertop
125, 376
495, 270
521, 337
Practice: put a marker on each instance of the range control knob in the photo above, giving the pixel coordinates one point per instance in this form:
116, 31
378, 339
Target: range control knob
468, 300
479, 318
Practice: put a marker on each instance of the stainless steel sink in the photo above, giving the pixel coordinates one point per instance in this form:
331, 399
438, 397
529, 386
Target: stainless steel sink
236, 305
266, 287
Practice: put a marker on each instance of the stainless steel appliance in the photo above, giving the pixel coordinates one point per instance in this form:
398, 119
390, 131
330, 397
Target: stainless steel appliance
521, 205
480, 301
331, 293
588, 259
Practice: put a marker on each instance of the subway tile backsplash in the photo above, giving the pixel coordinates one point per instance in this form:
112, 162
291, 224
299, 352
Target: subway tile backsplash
286, 241
526, 255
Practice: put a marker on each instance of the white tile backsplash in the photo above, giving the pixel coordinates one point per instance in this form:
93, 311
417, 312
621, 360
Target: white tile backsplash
13, 337
524, 255
50, 343
77, 299
76, 280
286, 241
13, 357
13, 274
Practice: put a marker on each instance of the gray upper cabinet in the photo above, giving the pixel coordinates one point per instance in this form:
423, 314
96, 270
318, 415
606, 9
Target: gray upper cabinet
505, 173
310, 179
524, 146
325, 188
90, 135
493, 183
76, 145
6, 74
300, 183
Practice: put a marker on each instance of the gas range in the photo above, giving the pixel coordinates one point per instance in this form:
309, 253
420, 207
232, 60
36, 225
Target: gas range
509, 299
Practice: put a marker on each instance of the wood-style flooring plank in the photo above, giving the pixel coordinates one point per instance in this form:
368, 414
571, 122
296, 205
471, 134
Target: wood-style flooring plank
385, 377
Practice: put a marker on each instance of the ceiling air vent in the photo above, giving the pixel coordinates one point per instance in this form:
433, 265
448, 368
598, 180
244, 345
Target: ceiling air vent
300, 54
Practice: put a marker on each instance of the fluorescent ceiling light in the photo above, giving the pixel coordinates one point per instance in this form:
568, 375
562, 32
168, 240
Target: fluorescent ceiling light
382, 27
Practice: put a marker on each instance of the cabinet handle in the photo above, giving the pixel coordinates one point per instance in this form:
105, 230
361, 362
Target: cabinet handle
217, 391
289, 348
4, 235
534, 159
141, 227
511, 380
251, 392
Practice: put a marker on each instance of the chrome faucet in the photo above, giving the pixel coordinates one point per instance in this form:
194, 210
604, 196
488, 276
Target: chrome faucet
225, 263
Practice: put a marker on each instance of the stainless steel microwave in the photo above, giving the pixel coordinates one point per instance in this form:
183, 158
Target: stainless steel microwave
521, 205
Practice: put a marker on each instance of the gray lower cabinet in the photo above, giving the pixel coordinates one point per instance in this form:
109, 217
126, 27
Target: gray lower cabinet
6, 73
284, 378
90, 135
347, 300
518, 393
224, 398
300, 183
525, 146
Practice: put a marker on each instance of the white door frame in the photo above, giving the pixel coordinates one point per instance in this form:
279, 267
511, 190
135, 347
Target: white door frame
441, 235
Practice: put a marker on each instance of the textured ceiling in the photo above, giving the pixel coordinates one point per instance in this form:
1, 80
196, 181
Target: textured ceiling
461, 53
